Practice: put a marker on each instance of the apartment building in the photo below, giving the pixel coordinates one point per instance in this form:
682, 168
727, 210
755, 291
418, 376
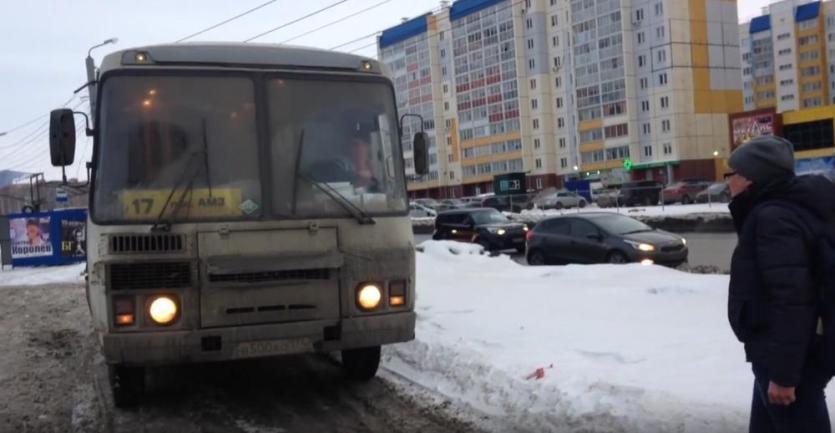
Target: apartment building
567, 89
788, 61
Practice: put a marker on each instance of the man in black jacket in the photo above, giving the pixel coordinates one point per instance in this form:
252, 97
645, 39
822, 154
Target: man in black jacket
773, 298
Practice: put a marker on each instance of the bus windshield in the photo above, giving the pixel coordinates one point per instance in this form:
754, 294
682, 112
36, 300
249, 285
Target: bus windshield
195, 148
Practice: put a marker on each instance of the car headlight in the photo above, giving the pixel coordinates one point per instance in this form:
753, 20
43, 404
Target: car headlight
501, 232
684, 241
369, 297
163, 310
640, 246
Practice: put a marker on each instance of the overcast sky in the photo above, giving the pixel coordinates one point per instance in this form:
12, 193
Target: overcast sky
43, 45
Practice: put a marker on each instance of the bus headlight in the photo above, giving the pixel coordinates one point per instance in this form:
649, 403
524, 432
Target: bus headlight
369, 296
163, 310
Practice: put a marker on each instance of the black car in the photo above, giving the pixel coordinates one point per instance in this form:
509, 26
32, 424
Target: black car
484, 226
644, 192
602, 237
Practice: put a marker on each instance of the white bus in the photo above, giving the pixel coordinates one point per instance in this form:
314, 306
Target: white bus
246, 201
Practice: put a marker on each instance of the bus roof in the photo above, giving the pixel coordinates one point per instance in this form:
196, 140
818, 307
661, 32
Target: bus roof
247, 55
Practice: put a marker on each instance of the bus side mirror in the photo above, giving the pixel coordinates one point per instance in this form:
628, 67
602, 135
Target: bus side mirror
62, 137
420, 145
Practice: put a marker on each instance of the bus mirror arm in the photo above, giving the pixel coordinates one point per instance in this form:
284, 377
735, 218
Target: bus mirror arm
420, 146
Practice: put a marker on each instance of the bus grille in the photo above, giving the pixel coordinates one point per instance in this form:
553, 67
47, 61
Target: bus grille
149, 276
147, 243
259, 277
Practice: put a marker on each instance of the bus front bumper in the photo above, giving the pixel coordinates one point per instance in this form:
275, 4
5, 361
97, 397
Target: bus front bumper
256, 341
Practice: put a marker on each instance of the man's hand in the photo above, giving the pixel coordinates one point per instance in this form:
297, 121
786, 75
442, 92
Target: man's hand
781, 395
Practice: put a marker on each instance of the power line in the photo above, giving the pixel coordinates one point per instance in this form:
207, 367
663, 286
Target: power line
39, 134
37, 155
226, 21
336, 22
363, 47
357, 40
330, 6
31, 121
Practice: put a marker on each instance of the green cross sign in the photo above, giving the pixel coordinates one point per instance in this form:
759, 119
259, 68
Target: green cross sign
627, 164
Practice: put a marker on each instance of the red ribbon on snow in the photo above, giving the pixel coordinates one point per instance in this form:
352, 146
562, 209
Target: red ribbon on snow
539, 373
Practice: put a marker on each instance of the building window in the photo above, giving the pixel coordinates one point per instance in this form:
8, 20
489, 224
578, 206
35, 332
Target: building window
558, 82
660, 32
533, 84
645, 106
808, 40
646, 129
784, 52
787, 98
665, 125
641, 60
659, 9
668, 149
615, 131
554, 20
446, 106
812, 102
644, 83
560, 123
538, 163
786, 82
563, 162
529, 22
559, 102
662, 78
641, 37
531, 64
665, 102
808, 24
648, 150
562, 143
662, 56
783, 36
808, 55
810, 71
535, 123
555, 41
530, 44
786, 67
536, 143
534, 104
639, 15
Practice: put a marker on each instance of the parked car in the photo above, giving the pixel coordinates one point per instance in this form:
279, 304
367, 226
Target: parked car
606, 197
417, 210
602, 237
644, 192
427, 202
450, 204
683, 191
718, 192
560, 200
484, 226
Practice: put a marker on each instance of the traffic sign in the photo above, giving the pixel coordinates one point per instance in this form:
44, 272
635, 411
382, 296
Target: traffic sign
61, 196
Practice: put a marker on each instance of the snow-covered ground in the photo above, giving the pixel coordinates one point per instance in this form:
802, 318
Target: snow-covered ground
622, 348
42, 275
696, 211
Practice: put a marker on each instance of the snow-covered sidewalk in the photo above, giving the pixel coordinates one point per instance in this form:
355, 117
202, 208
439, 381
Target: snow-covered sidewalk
690, 211
621, 348
42, 275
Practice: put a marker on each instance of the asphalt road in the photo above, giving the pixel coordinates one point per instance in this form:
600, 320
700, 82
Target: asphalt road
706, 249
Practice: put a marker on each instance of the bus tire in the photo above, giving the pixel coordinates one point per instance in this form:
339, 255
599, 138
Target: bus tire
361, 364
127, 385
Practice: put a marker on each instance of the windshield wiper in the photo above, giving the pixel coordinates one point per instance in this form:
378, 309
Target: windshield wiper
354, 210
165, 226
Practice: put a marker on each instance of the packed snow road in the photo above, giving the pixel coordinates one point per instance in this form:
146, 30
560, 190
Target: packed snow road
53, 380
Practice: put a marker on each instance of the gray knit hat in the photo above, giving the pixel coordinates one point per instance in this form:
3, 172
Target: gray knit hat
764, 159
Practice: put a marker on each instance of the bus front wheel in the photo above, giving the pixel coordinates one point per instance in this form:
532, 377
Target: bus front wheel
361, 364
127, 385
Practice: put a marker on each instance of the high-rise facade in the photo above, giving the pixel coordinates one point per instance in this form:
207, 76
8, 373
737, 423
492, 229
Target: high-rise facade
787, 56
566, 89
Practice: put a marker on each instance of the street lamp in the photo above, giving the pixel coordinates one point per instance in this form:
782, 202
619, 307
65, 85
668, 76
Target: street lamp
91, 72
715, 153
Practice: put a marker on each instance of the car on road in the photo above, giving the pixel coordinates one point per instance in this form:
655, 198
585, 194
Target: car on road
606, 197
718, 192
560, 200
484, 226
640, 193
602, 237
431, 203
417, 210
450, 204
683, 191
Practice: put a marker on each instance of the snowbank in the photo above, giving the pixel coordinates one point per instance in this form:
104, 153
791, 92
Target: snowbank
42, 275
690, 211
622, 348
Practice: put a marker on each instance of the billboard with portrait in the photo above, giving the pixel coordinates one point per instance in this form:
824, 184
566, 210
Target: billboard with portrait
30, 236
753, 124
73, 238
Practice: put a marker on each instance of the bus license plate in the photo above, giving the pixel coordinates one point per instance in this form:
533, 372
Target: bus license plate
254, 349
